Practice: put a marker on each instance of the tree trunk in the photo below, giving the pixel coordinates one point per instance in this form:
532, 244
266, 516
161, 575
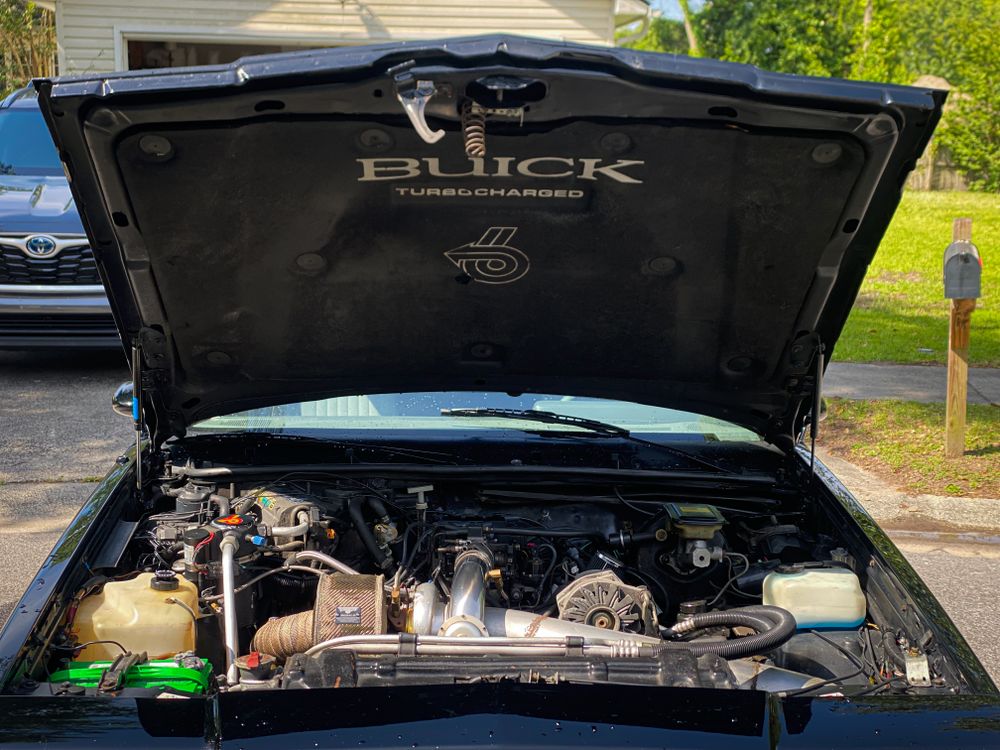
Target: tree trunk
693, 47
866, 26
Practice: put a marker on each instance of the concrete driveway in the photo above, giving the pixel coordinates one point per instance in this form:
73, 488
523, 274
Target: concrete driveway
58, 436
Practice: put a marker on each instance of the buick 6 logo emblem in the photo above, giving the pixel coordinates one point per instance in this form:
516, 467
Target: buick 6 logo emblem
41, 246
491, 259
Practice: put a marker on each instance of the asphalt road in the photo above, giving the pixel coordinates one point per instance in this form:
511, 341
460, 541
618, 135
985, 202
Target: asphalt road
58, 436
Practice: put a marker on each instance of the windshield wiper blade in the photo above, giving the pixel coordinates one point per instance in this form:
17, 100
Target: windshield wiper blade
533, 415
592, 425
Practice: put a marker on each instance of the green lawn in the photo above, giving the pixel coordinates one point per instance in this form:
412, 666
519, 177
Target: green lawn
901, 315
903, 442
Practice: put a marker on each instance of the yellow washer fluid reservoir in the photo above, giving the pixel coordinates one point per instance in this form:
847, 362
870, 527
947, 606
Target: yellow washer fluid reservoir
141, 614
817, 597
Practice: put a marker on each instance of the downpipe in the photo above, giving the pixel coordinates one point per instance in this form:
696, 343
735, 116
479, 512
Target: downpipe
466, 609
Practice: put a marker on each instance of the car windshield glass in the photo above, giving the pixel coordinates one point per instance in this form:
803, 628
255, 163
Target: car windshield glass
26, 147
385, 413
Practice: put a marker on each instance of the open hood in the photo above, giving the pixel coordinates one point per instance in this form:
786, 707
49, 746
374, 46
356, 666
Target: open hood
660, 229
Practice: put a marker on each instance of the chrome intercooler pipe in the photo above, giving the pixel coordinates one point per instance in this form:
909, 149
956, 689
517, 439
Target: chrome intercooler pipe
229, 545
460, 645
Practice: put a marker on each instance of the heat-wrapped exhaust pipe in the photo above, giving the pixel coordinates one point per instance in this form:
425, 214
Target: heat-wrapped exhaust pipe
347, 604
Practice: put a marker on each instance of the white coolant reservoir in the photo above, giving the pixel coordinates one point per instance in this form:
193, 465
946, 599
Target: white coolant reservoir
818, 597
144, 613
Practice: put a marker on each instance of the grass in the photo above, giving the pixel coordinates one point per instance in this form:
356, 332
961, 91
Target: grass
902, 442
901, 314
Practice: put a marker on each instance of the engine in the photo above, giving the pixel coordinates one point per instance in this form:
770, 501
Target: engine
347, 582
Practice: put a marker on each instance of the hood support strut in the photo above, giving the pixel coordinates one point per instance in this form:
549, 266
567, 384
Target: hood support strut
137, 410
817, 405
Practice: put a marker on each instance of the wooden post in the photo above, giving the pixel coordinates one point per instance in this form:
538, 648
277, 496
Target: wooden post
958, 359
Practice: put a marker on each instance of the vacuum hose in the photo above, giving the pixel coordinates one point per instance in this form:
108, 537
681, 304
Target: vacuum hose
773, 626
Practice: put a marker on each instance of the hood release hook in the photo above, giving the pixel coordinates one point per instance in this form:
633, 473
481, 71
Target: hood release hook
414, 94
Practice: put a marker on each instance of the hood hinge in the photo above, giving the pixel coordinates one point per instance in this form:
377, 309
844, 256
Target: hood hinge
806, 366
802, 365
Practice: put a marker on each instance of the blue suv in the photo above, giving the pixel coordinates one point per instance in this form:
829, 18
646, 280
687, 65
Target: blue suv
50, 292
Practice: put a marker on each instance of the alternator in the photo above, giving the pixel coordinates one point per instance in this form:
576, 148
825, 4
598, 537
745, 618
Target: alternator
602, 600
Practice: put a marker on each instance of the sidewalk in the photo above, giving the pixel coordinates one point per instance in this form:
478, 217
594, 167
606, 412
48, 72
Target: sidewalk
895, 511
925, 383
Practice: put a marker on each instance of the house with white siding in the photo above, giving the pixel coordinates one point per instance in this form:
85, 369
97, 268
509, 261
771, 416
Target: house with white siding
109, 35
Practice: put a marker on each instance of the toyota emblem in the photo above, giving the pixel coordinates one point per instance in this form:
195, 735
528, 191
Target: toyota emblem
41, 246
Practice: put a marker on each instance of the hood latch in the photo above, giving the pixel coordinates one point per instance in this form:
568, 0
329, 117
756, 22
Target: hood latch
414, 94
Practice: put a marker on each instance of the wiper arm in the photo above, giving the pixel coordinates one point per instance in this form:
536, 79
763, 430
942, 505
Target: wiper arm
533, 415
592, 425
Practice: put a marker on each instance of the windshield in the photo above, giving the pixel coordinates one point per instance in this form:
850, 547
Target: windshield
422, 411
26, 147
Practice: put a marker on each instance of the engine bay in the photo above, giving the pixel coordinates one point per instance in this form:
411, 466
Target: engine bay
305, 581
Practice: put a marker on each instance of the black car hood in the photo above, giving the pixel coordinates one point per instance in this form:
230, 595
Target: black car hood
660, 229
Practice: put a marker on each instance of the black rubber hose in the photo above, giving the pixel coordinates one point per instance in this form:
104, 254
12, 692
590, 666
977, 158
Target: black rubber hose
774, 626
378, 506
367, 537
892, 650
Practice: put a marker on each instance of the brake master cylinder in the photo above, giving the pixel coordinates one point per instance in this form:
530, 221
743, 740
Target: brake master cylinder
697, 526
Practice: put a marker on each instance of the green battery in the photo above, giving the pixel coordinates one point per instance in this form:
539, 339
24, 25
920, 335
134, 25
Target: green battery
191, 675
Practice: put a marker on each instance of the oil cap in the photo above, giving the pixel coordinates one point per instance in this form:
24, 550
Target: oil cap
164, 580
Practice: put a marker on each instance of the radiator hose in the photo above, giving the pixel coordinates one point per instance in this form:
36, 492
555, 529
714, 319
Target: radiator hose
772, 625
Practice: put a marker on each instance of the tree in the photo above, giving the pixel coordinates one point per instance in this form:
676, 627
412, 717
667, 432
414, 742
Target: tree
694, 48
27, 43
664, 35
881, 39
891, 41
810, 37
971, 129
